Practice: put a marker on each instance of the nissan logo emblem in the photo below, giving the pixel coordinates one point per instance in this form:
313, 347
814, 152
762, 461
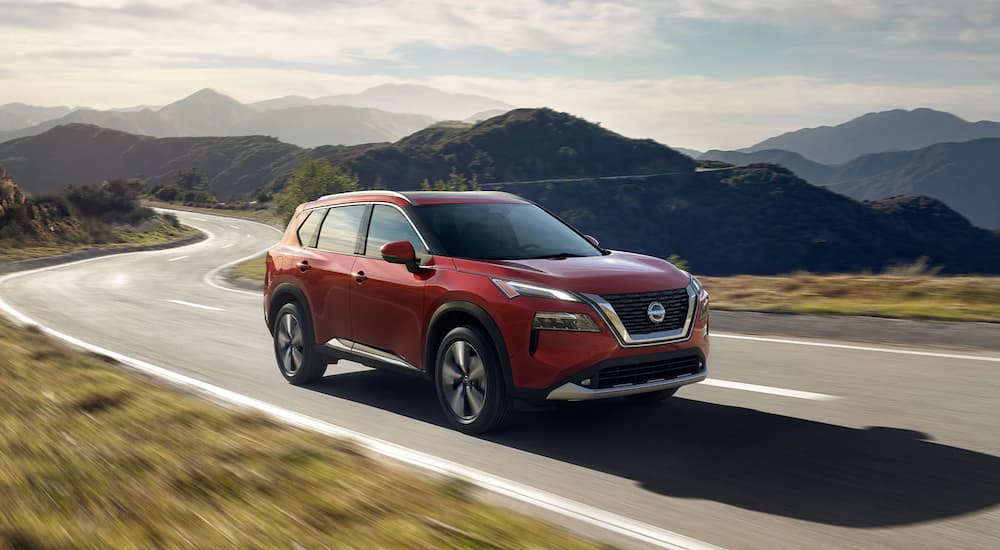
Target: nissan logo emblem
656, 312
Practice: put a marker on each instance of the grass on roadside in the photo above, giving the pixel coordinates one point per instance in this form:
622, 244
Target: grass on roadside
158, 234
95, 456
914, 296
252, 269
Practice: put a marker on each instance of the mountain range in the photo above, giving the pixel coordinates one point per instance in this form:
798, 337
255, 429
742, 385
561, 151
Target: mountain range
756, 219
886, 131
963, 175
209, 113
522, 144
14, 116
401, 98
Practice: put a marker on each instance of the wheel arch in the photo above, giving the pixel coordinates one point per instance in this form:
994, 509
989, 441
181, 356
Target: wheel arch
285, 293
458, 313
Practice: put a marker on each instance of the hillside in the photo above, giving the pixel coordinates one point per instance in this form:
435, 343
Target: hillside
896, 130
523, 144
79, 154
763, 219
209, 113
962, 175
813, 172
77, 218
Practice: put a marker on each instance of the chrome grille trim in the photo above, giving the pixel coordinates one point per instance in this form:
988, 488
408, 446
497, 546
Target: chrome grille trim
625, 339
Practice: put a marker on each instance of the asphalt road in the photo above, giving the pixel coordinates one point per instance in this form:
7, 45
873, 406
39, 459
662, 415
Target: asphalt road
870, 448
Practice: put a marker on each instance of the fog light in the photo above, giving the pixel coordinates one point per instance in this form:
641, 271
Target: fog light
585, 382
575, 322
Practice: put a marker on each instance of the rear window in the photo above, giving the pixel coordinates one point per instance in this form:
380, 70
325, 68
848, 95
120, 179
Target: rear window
310, 228
341, 229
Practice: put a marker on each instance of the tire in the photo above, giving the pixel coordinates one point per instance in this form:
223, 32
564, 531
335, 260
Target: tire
469, 381
298, 362
652, 397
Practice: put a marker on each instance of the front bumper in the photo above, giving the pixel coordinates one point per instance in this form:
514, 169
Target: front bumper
571, 391
624, 375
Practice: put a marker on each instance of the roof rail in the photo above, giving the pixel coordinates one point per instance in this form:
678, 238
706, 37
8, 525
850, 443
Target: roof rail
385, 192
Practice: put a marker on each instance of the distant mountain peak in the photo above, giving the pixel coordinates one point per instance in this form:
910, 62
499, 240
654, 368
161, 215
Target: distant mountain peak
878, 132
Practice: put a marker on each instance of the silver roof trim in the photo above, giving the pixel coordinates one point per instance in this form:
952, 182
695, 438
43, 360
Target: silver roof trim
382, 192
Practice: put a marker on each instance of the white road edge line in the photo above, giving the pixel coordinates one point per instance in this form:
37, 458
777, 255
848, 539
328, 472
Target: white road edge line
191, 304
178, 258
821, 344
769, 390
575, 510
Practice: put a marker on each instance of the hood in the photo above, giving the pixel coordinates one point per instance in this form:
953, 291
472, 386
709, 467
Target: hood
614, 273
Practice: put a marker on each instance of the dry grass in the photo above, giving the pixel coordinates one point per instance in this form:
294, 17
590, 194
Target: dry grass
92, 456
901, 293
161, 233
251, 269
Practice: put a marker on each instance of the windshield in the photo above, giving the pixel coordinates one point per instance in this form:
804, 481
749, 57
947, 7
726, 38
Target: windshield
502, 232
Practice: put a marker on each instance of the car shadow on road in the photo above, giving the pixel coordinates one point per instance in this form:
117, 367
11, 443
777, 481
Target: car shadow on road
871, 477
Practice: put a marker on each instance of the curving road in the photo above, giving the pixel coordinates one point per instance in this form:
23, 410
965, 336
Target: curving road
791, 445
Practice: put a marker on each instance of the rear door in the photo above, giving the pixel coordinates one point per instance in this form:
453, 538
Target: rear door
387, 300
326, 270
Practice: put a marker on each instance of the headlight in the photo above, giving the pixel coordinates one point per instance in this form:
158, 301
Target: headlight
575, 322
513, 289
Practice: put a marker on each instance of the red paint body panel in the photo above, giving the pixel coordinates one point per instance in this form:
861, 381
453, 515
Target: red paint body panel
391, 309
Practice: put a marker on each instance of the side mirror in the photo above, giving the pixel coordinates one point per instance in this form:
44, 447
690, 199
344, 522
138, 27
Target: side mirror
401, 252
593, 241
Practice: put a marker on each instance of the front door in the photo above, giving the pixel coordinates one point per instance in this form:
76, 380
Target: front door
386, 299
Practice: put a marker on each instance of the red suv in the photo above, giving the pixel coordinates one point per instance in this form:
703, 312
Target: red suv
490, 296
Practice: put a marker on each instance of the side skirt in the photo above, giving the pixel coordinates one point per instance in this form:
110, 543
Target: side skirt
342, 348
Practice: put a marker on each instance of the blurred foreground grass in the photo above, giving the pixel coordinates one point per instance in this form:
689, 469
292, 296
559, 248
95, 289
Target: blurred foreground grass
92, 456
905, 296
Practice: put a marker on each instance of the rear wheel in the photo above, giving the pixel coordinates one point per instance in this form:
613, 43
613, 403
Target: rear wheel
652, 397
293, 346
469, 381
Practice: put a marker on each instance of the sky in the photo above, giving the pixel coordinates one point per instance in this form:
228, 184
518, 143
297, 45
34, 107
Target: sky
690, 73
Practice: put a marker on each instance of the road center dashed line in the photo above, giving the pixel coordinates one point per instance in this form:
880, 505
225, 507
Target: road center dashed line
178, 258
199, 306
235, 226
227, 246
856, 347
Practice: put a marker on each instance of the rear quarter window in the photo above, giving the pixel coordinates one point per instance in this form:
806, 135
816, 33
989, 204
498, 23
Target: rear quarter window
310, 228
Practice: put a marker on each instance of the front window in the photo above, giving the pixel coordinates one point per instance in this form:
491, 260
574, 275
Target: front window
502, 232
389, 225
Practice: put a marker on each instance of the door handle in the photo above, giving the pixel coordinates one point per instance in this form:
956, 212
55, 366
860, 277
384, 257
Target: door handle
359, 276
303, 266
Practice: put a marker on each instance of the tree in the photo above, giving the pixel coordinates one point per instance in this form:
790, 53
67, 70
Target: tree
311, 180
190, 180
455, 182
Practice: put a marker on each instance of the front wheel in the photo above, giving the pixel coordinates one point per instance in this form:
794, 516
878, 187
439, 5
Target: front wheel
293, 347
469, 381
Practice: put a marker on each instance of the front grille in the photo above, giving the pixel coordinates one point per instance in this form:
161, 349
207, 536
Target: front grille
667, 369
631, 309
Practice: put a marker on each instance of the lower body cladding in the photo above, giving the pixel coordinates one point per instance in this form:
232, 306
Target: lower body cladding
623, 376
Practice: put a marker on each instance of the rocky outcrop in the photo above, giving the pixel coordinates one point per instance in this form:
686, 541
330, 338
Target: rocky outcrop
11, 197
